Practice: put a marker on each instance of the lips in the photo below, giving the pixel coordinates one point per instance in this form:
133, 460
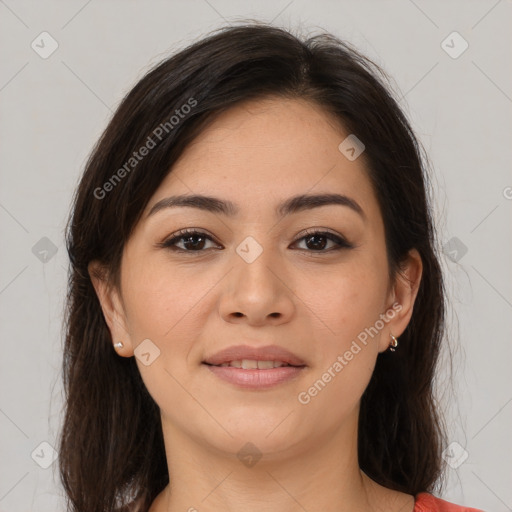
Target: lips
245, 352
255, 369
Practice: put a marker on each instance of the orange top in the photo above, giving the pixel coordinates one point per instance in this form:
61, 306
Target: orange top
426, 502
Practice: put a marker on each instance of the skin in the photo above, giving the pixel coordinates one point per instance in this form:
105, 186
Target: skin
313, 303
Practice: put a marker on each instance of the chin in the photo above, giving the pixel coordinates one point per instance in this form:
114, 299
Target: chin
268, 435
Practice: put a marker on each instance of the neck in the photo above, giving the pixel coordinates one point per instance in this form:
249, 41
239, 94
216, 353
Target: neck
322, 475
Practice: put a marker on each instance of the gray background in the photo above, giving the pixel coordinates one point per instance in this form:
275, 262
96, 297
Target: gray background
54, 109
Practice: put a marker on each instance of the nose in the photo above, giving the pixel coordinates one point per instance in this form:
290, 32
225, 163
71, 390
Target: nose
258, 291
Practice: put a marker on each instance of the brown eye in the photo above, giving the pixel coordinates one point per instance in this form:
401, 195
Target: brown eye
193, 241
316, 241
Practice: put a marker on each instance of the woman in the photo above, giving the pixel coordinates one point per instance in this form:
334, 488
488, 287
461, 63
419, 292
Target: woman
250, 239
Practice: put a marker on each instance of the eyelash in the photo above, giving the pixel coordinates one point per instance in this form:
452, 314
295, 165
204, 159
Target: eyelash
180, 235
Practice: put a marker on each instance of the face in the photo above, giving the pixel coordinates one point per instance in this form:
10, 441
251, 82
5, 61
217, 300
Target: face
257, 276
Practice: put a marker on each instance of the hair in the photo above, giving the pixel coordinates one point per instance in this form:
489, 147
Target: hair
111, 442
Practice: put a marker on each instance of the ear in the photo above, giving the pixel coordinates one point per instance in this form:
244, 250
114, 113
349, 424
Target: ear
402, 297
112, 307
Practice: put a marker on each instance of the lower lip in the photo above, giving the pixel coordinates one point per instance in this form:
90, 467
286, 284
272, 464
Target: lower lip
254, 378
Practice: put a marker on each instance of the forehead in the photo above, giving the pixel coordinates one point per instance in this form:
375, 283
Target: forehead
265, 149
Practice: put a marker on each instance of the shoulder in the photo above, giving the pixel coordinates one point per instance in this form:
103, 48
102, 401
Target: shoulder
426, 502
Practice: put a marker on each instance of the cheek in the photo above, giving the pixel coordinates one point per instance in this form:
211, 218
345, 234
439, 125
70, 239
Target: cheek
347, 301
161, 300
349, 307
162, 305
347, 346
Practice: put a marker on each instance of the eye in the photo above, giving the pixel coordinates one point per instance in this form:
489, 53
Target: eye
318, 240
194, 241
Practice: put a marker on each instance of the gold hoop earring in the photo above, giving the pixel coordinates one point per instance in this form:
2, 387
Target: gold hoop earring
393, 344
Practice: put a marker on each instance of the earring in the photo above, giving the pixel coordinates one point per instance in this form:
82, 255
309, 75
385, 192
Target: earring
119, 345
393, 344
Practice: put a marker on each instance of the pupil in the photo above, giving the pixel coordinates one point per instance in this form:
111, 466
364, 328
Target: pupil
312, 237
191, 237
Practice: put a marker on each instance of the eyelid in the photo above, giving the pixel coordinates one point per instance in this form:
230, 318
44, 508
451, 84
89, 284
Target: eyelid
318, 230
182, 233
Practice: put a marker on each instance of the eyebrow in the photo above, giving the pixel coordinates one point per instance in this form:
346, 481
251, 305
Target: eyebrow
292, 205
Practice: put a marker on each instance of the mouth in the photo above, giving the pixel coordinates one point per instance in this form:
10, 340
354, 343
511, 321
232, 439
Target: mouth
255, 368
254, 364
247, 357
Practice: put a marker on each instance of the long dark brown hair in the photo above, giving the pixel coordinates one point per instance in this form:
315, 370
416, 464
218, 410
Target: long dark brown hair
111, 443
